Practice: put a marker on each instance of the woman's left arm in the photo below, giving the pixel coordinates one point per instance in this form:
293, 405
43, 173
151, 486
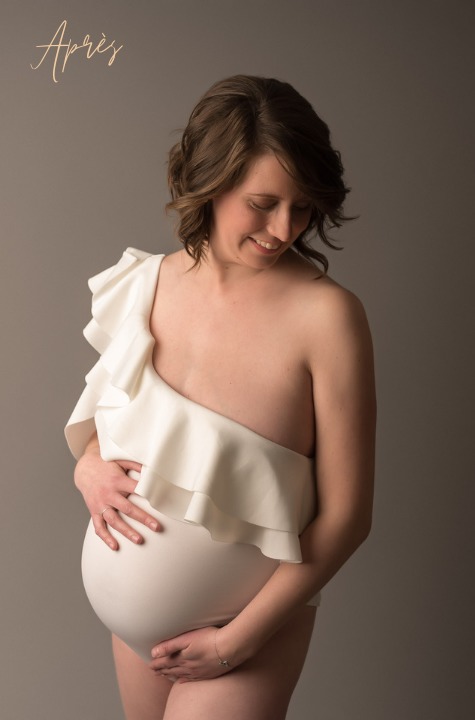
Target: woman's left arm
341, 363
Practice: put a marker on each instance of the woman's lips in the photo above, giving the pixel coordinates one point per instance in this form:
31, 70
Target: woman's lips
262, 247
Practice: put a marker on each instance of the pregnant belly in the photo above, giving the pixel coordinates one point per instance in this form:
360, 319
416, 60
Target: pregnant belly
178, 580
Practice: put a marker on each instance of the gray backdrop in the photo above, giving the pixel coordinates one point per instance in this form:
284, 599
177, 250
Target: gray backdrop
82, 177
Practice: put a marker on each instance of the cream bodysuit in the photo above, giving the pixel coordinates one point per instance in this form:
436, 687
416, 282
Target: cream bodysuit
231, 502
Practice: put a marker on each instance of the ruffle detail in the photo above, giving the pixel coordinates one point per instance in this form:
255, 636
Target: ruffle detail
197, 465
118, 295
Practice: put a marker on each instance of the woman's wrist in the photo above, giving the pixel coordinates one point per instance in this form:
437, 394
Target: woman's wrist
229, 648
92, 446
83, 467
222, 661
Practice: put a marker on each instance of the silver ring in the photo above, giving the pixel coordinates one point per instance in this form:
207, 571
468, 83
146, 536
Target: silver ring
108, 507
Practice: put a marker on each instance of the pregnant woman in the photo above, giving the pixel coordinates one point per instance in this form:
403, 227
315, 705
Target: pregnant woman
225, 438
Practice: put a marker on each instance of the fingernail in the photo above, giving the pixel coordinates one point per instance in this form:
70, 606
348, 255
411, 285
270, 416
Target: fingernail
135, 538
153, 525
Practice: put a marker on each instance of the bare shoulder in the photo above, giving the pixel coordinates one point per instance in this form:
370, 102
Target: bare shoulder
337, 346
339, 353
173, 268
329, 312
173, 261
334, 312
340, 348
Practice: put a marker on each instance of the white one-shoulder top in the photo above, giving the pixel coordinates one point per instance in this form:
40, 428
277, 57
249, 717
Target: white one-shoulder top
215, 481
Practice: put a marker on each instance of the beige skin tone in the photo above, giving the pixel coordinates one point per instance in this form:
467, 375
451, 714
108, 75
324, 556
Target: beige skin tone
261, 338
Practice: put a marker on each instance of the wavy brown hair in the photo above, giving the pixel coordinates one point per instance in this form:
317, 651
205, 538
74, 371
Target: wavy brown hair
237, 120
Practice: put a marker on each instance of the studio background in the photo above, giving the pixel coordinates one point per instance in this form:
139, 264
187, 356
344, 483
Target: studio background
82, 177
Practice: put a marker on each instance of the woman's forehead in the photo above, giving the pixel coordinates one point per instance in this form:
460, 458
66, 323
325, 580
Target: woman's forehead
266, 177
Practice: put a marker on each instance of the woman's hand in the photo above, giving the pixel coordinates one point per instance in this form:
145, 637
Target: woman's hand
105, 487
192, 656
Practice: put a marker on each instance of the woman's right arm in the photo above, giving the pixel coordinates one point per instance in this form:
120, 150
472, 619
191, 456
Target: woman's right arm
105, 487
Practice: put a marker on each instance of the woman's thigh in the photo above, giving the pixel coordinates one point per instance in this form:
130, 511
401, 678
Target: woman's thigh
259, 689
143, 693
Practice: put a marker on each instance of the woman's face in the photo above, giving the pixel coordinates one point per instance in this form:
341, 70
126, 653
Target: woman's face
257, 221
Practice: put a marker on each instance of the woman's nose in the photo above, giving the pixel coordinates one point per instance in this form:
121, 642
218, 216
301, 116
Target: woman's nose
280, 225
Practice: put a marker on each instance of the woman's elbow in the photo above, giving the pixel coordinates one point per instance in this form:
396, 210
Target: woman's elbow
362, 527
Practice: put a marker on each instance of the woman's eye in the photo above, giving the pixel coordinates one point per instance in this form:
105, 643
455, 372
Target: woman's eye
264, 208
255, 206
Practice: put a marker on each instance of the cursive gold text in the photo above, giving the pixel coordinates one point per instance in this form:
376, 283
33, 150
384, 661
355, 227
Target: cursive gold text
57, 45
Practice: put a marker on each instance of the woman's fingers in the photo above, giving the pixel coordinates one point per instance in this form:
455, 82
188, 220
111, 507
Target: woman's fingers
110, 517
101, 531
108, 493
129, 465
114, 520
127, 507
171, 647
190, 656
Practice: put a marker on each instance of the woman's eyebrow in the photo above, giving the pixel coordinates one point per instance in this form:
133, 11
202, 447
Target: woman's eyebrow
264, 194
276, 197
